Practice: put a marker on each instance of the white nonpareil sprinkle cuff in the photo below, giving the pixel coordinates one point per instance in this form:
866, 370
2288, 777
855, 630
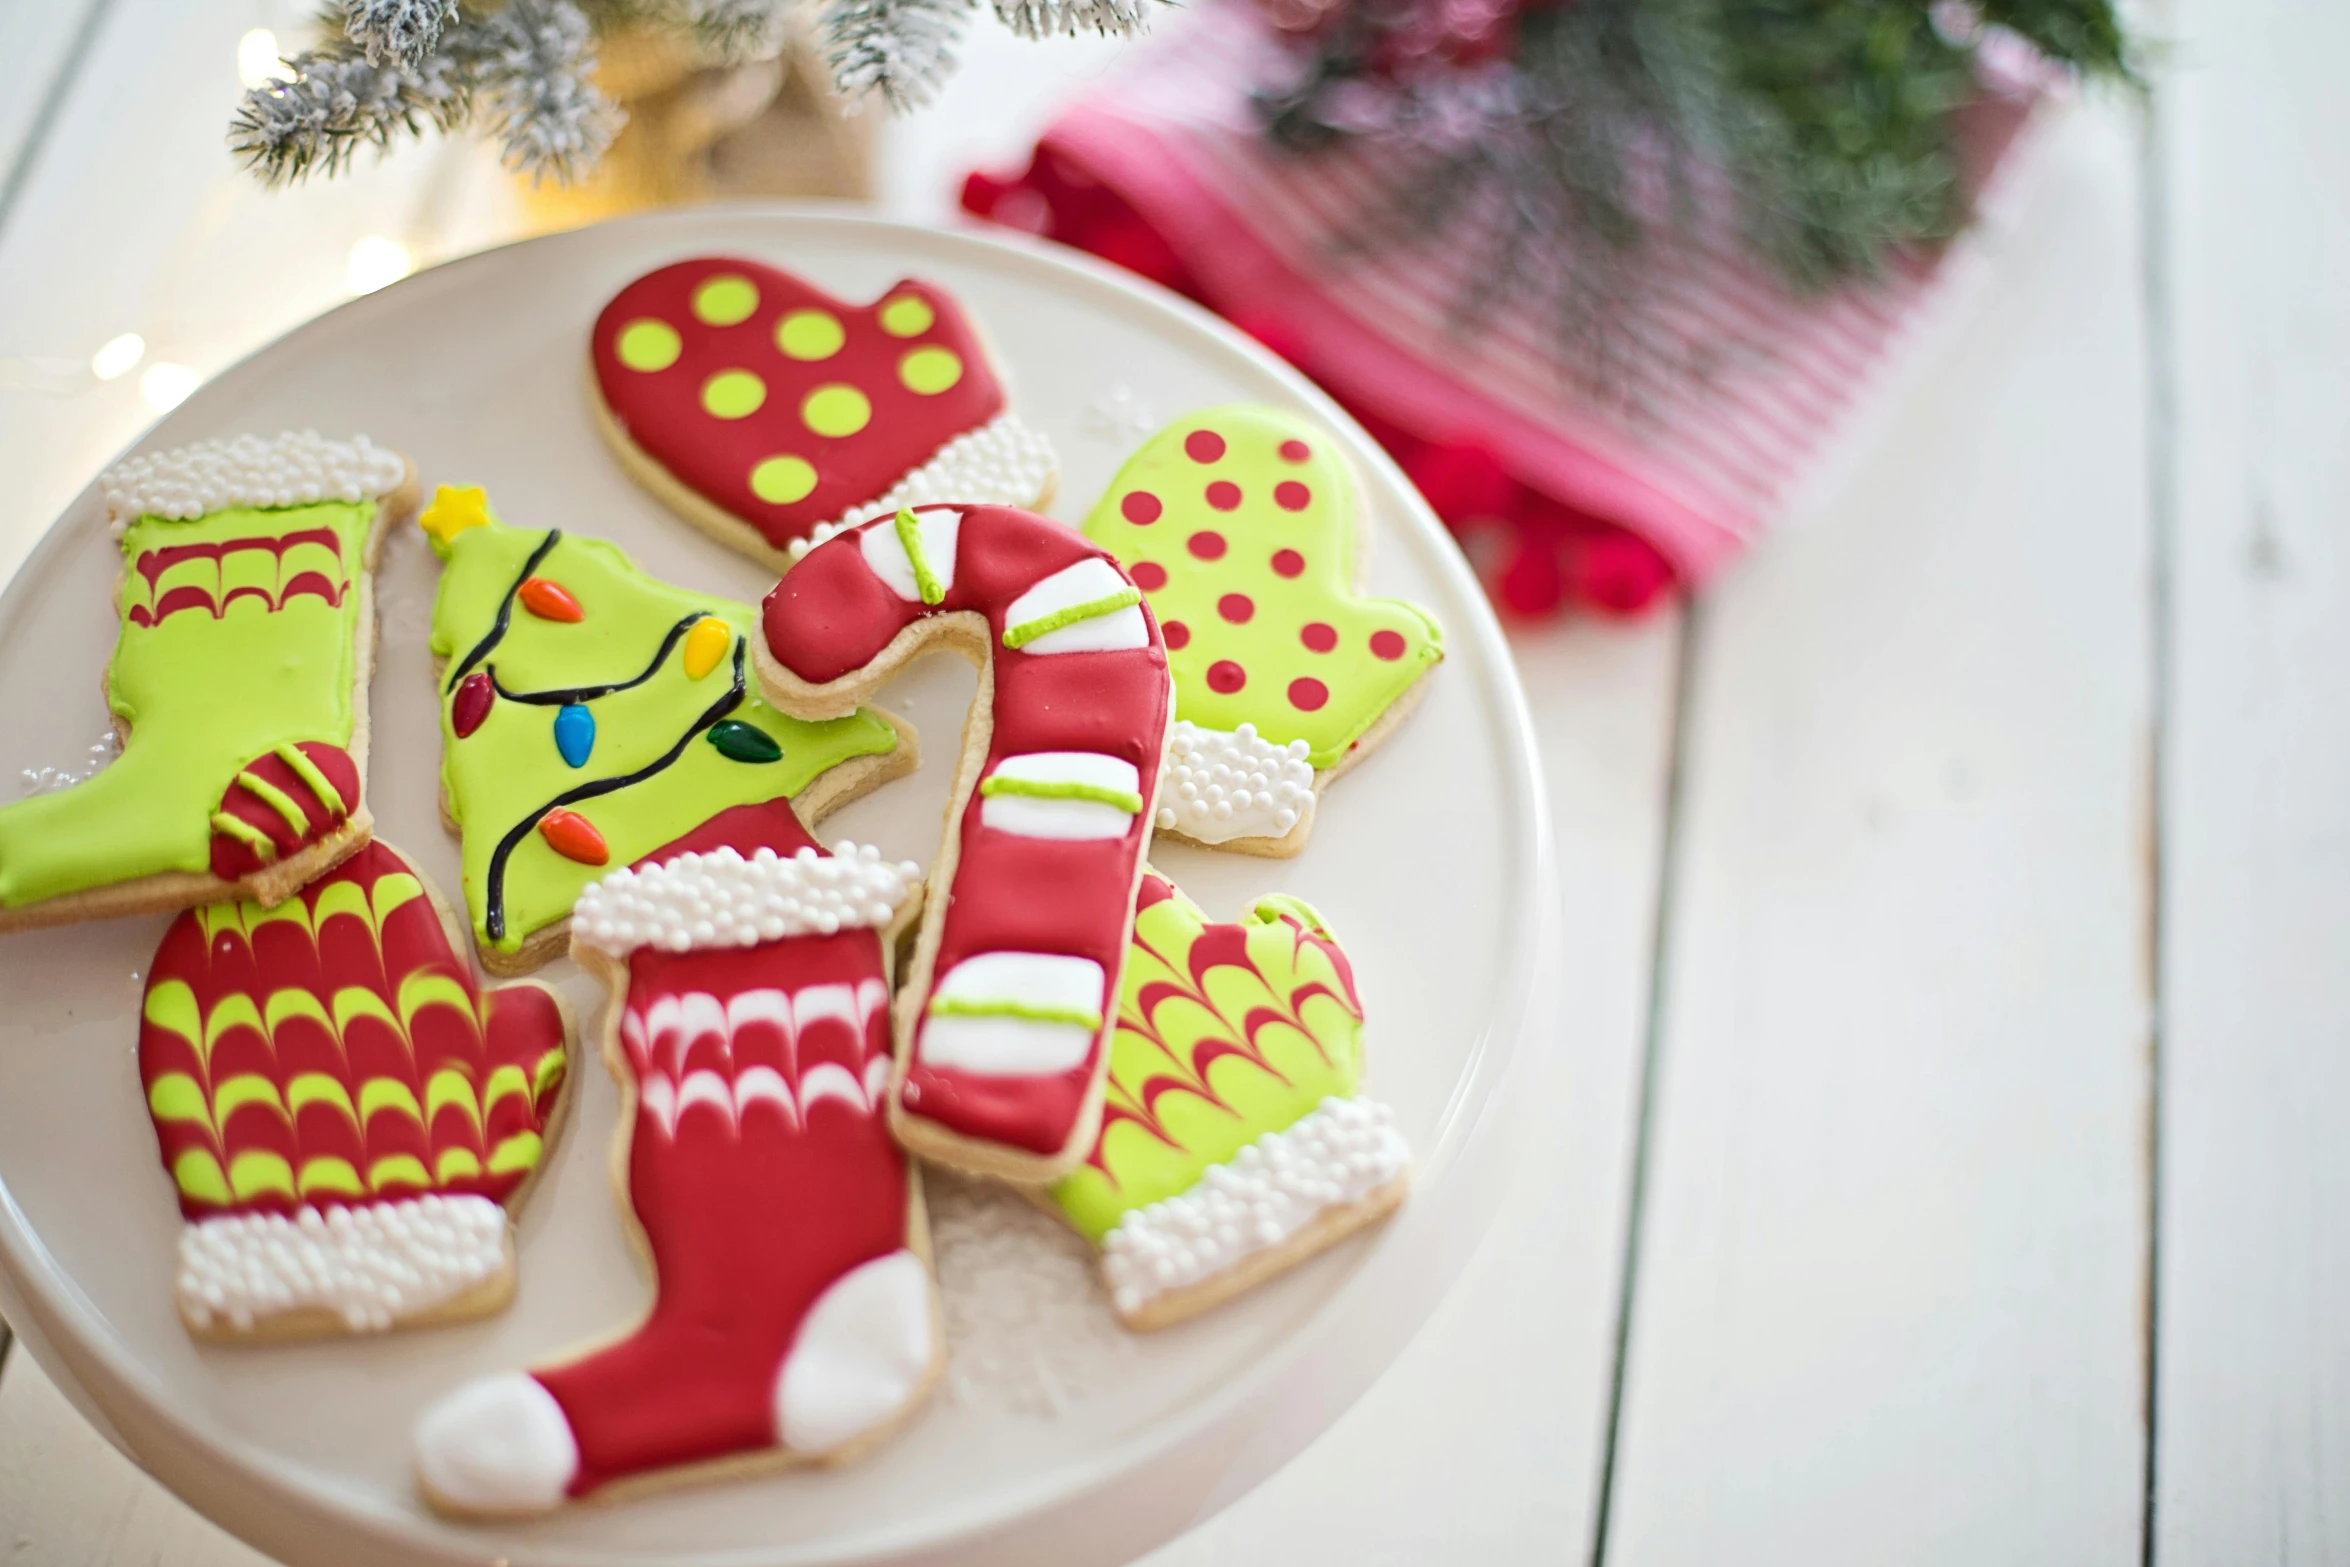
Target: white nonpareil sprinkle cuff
723, 899
299, 468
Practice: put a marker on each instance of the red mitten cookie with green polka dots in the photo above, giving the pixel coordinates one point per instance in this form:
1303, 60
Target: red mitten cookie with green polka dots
772, 415
1239, 524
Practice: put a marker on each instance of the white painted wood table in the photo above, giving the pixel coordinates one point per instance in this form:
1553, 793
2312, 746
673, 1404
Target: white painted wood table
1949, 1164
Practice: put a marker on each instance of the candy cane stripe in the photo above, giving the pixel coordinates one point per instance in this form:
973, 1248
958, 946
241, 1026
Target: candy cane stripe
1006, 1014
913, 553
1087, 608
1061, 794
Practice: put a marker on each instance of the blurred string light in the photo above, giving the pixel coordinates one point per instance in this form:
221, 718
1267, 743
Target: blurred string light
377, 261
166, 385
258, 63
118, 356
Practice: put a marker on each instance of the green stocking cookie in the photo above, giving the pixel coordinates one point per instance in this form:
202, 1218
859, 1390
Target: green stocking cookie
1239, 523
238, 684
591, 713
1235, 1139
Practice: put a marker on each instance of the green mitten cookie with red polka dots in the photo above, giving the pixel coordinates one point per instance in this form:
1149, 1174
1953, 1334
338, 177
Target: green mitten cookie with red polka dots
1239, 524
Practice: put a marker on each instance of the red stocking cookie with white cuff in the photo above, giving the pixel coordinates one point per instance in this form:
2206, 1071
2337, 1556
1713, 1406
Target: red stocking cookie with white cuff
794, 1317
1240, 527
1003, 1025
771, 415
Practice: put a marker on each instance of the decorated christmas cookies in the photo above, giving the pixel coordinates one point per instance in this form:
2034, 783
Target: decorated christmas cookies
238, 684
1239, 525
770, 414
347, 1115
591, 713
1003, 1024
1236, 1141
794, 1318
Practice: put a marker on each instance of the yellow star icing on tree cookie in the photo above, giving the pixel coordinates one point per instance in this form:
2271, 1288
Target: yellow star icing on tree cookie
455, 508
1238, 523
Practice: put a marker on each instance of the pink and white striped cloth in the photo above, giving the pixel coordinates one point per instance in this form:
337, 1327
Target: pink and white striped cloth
1699, 456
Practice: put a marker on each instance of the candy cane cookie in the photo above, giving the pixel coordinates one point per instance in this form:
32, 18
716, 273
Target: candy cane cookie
770, 414
238, 684
1003, 1024
794, 1317
1240, 525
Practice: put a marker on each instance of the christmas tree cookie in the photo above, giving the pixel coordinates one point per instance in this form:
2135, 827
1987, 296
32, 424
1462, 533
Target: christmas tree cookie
238, 684
347, 1115
771, 415
1235, 1139
1239, 524
794, 1319
591, 713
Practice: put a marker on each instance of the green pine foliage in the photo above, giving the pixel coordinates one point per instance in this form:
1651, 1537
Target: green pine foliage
1593, 136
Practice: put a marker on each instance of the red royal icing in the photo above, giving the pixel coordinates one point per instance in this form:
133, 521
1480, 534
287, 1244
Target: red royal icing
233, 858
476, 695
662, 410
292, 572
752, 1207
832, 616
574, 837
550, 601
276, 996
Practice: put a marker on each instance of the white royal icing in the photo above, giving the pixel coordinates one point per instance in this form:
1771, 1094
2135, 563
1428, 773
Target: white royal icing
498, 1445
935, 535
1002, 463
371, 1265
1014, 1046
661, 1036
722, 899
1033, 816
294, 469
860, 1356
1085, 582
1225, 784
1338, 1153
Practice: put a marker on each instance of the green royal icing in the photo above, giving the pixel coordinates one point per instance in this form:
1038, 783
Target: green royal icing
1209, 554
1190, 1086
508, 771
1055, 789
1028, 631
909, 531
204, 691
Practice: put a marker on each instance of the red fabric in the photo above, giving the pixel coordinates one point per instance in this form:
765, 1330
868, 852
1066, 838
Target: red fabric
1556, 502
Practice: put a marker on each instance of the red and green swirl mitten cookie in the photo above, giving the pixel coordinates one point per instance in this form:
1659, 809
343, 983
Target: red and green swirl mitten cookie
771, 415
591, 713
1236, 1141
346, 1113
1240, 525
238, 684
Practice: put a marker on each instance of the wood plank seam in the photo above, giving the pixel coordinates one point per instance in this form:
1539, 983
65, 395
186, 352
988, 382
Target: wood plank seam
1652, 1032
2162, 503
45, 120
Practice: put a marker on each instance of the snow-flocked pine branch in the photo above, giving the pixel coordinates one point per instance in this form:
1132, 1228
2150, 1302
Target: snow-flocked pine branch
901, 49
402, 31
334, 104
534, 67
